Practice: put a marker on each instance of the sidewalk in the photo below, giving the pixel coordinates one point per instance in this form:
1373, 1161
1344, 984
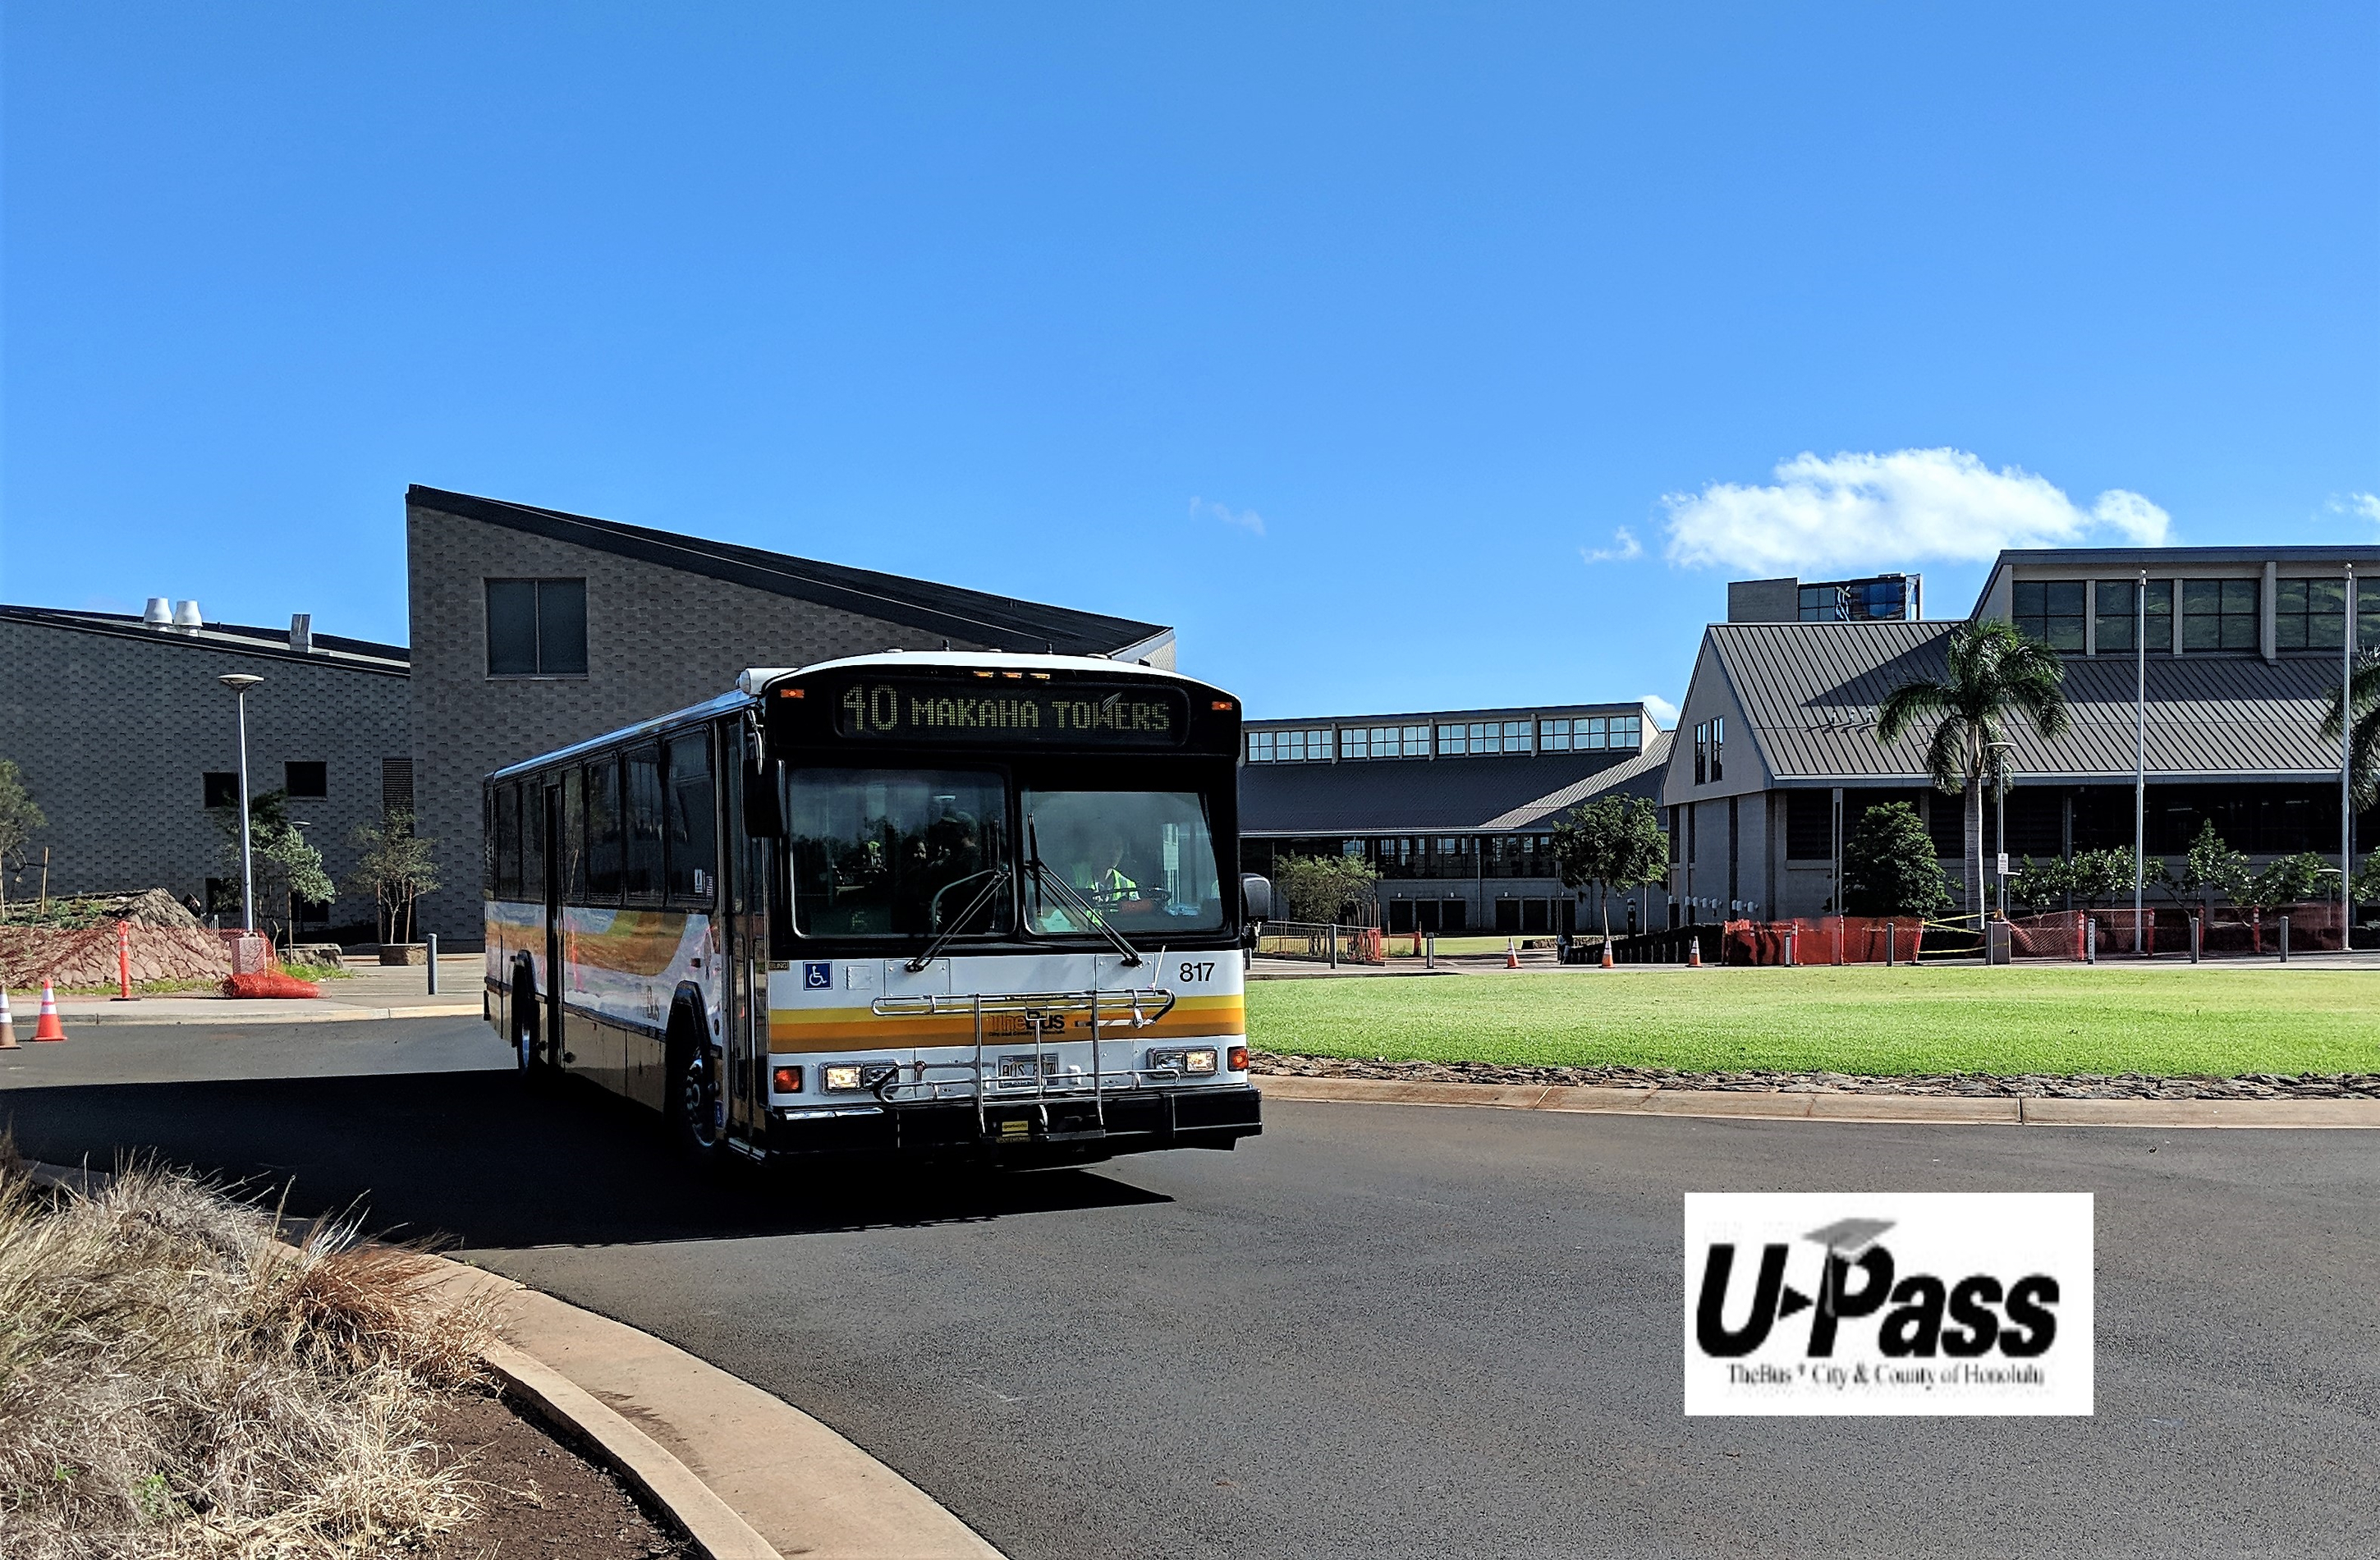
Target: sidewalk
375, 991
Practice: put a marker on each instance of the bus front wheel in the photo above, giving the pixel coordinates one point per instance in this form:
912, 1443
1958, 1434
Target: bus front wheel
698, 1108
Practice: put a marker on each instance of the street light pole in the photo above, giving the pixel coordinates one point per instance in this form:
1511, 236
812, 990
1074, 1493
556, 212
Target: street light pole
2347, 764
2000, 752
2141, 762
239, 683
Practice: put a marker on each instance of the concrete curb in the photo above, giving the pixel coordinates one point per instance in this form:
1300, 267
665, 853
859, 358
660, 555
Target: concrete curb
234, 1011
747, 1475
1717, 1103
711, 1522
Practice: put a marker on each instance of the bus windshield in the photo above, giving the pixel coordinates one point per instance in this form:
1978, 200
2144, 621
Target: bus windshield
897, 852
1144, 860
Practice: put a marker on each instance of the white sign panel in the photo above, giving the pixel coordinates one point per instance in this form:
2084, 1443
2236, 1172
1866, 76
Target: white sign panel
1889, 1303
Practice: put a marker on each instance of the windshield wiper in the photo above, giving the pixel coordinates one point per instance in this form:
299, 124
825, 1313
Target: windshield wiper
1063, 892
982, 897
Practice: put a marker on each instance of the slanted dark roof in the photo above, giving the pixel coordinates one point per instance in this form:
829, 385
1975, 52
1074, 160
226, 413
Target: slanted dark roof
1809, 690
1639, 776
336, 650
972, 616
1406, 796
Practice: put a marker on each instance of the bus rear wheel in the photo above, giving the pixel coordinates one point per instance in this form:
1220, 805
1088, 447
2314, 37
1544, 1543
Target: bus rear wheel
529, 1051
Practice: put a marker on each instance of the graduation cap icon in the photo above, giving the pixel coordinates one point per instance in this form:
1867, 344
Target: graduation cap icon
1849, 1237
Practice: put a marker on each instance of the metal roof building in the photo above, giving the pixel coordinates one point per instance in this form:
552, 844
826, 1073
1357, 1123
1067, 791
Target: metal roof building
1778, 751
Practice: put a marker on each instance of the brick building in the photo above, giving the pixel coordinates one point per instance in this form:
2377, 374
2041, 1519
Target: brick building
532, 628
131, 745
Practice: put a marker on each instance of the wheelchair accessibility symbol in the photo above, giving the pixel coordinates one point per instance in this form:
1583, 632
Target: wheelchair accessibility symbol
818, 976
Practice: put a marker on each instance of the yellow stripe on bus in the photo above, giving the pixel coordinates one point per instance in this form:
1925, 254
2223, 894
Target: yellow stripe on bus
835, 1028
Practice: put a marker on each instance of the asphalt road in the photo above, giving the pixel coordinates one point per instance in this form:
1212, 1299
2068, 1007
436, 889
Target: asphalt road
1375, 1331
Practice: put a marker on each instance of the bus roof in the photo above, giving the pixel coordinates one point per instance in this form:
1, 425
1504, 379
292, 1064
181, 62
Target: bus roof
751, 682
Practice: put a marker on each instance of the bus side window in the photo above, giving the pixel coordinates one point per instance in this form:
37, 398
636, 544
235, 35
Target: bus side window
507, 842
645, 823
603, 831
693, 820
532, 835
573, 837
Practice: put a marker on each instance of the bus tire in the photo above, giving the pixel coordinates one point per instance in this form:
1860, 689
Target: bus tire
529, 1061
694, 1106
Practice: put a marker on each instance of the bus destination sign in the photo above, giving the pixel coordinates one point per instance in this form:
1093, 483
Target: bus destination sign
1007, 714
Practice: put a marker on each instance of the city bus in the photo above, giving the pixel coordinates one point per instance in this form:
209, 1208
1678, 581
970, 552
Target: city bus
913, 904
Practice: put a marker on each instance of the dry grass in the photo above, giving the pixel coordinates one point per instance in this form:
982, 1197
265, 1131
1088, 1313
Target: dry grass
177, 1380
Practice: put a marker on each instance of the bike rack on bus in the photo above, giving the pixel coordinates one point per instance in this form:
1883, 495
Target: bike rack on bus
1133, 1008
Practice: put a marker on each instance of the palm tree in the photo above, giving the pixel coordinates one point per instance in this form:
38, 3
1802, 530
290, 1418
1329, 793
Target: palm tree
1994, 675
2363, 689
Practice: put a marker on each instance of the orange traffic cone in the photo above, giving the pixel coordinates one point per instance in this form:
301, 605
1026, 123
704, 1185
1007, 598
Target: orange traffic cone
1511, 955
1695, 954
1607, 953
7, 1023
48, 1026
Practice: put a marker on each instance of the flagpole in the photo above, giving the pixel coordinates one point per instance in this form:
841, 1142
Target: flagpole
2141, 762
2347, 762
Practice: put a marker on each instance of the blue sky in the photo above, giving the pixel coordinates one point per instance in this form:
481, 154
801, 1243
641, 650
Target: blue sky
1401, 355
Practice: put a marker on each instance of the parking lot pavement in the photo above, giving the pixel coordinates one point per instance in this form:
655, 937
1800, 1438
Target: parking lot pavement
1377, 1330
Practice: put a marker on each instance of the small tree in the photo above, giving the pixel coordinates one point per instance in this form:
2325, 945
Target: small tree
20, 818
286, 868
1890, 868
1613, 844
396, 870
2100, 876
2208, 867
1316, 888
2041, 882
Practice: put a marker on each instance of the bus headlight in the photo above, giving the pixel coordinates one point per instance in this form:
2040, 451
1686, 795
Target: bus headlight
843, 1079
1189, 1064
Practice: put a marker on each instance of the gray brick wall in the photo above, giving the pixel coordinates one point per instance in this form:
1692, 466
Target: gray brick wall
658, 640
113, 731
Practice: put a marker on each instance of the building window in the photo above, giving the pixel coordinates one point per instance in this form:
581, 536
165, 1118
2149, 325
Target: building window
1288, 747
2118, 608
1628, 732
1384, 742
1486, 736
2050, 611
1710, 739
222, 787
1810, 826
306, 779
396, 785
537, 628
2310, 614
2218, 615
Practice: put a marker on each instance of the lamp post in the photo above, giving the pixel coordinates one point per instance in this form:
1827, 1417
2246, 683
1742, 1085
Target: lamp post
2347, 762
1999, 752
2140, 759
239, 683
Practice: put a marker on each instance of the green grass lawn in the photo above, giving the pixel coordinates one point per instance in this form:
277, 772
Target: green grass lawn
2222, 1021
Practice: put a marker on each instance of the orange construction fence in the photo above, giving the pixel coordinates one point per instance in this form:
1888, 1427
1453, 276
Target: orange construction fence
1822, 939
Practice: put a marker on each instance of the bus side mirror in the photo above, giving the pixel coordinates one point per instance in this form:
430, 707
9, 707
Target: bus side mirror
1256, 898
762, 818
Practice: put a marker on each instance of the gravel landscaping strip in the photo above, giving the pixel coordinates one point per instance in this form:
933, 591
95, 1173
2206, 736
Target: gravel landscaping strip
2031, 1086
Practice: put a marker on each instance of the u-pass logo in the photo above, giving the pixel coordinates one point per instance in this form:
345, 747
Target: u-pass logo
1889, 1303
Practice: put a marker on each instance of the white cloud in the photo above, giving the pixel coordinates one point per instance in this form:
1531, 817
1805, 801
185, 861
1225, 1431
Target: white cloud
1853, 511
1246, 520
1628, 547
1664, 714
2364, 504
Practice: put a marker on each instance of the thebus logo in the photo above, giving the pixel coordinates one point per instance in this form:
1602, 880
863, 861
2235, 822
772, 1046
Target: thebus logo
1900, 1303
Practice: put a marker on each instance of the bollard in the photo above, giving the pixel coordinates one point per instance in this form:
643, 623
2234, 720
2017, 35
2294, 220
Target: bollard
434, 963
1429, 953
2285, 938
1789, 950
2090, 939
123, 962
2193, 939
1891, 947
1334, 945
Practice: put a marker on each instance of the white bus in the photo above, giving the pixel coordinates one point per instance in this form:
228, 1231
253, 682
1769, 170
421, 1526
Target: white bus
913, 904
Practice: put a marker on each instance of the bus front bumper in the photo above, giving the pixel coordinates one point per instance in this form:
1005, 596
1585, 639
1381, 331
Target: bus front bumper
1058, 1128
